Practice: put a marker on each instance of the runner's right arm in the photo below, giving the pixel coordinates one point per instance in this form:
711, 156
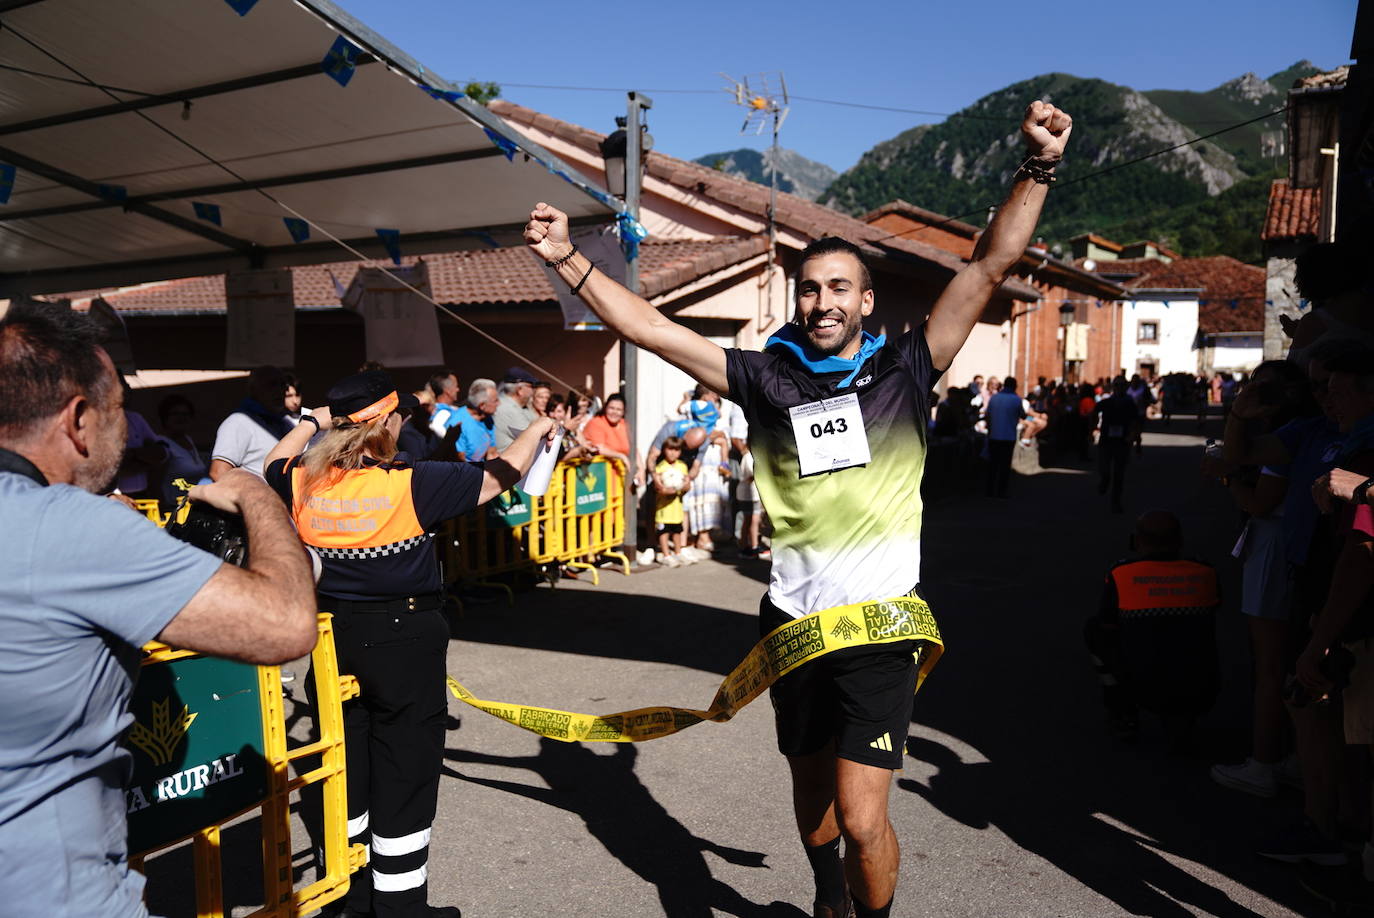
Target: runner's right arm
628, 314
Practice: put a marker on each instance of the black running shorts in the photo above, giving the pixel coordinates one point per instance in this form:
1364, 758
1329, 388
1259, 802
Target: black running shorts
860, 697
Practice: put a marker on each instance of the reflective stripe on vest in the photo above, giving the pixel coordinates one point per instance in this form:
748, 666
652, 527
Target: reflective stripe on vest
366, 513
1164, 587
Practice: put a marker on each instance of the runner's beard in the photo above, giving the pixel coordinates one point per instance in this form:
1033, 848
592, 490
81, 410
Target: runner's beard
851, 328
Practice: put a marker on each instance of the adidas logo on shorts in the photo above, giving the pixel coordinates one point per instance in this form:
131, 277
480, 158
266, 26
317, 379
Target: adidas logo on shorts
883, 742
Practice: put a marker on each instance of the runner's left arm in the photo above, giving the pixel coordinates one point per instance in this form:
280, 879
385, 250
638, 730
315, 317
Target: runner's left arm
1046, 130
628, 314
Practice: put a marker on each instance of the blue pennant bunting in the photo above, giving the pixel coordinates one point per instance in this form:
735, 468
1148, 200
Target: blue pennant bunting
341, 60
1268, 302
391, 241
1234, 303
241, 6
632, 233
208, 212
299, 229
7, 173
112, 192
1202, 302
1166, 304
505, 146
1302, 304
443, 95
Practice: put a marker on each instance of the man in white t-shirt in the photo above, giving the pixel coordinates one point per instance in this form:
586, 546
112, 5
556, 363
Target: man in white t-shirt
246, 437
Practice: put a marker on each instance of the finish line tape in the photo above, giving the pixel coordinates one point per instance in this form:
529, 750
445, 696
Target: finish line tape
776, 654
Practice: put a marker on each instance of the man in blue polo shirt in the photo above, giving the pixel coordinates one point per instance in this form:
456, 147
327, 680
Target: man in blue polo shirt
84, 583
1005, 411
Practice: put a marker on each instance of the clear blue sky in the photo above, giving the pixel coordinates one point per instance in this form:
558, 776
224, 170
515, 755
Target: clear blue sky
935, 56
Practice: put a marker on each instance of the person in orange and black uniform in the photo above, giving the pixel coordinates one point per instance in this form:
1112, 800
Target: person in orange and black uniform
369, 512
1153, 639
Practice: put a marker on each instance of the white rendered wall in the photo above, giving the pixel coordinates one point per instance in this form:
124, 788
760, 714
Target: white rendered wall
1173, 351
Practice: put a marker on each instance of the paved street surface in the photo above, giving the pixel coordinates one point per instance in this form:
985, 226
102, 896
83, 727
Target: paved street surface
1015, 801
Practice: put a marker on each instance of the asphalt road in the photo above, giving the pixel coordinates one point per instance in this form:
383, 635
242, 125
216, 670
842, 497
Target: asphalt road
1014, 801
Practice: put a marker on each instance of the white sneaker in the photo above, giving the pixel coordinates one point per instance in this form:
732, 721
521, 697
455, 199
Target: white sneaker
688, 556
646, 556
695, 554
1250, 777
670, 561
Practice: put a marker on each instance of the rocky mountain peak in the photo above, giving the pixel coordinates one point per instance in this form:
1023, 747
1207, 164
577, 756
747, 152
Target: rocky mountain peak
1249, 88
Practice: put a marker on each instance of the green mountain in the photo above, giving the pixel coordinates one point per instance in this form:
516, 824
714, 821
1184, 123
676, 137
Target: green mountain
962, 165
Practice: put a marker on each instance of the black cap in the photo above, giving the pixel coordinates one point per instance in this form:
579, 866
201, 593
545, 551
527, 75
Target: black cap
354, 395
520, 374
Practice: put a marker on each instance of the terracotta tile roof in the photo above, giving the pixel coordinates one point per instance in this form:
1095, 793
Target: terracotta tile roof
797, 214
1223, 281
1294, 213
1331, 79
930, 217
1219, 280
471, 278
1036, 258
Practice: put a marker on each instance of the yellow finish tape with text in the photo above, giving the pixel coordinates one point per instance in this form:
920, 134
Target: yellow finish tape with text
779, 652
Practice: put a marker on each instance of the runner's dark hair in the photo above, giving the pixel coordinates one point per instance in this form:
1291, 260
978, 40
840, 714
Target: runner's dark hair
48, 355
830, 245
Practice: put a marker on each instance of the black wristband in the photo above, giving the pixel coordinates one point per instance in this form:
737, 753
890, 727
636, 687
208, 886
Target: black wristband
590, 268
1361, 492
312, 419
559, 262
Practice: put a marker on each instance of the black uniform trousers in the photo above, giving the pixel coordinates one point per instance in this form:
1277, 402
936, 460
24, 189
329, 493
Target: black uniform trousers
394, 743
1113, 454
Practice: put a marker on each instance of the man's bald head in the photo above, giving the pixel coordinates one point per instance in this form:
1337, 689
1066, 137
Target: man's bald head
1158, 532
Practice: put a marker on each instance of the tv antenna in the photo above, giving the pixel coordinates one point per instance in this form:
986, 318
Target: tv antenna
763, 96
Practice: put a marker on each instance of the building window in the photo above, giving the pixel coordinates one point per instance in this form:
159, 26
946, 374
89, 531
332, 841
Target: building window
1146, 332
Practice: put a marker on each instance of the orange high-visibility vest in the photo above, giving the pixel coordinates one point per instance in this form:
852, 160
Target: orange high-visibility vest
363, 511
1164, 587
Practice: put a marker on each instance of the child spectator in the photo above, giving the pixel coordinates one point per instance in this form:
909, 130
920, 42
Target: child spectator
747, 498
671, 478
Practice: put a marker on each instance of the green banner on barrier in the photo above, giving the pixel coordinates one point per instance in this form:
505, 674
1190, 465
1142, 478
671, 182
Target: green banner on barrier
197, 748
591, 488
511, 509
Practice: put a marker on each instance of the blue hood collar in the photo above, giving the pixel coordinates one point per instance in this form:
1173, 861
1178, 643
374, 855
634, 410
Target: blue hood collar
790, 338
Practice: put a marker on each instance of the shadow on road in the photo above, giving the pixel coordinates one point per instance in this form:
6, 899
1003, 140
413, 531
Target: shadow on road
1016, 580
621, 813
617, 626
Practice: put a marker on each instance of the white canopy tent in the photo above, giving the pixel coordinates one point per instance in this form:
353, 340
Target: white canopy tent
149, 139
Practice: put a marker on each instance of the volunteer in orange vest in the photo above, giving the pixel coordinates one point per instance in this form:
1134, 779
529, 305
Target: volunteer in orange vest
1153, 639
369, 513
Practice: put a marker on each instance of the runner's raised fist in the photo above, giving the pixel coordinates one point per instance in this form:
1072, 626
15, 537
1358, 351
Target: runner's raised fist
1046, 130
547, 232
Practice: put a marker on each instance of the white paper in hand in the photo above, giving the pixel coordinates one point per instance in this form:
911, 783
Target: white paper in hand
536, 480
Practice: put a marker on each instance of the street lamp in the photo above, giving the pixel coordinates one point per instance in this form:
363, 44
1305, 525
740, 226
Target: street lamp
613, 154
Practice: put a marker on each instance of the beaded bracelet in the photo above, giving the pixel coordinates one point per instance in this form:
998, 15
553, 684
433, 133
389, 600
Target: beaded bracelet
562, 261
1037, 172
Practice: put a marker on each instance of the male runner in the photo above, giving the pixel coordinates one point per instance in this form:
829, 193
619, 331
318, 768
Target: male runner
841, 481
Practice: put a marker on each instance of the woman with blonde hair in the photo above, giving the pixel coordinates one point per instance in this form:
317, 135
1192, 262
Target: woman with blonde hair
369, 516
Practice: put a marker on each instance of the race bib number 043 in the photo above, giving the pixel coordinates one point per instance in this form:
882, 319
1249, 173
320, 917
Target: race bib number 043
830, 435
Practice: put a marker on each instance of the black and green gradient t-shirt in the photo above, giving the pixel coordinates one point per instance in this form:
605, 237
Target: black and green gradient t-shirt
854, 534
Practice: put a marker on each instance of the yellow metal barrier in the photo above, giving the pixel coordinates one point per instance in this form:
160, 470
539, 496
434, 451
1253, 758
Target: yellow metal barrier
586, 502
170, 729
581, 516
